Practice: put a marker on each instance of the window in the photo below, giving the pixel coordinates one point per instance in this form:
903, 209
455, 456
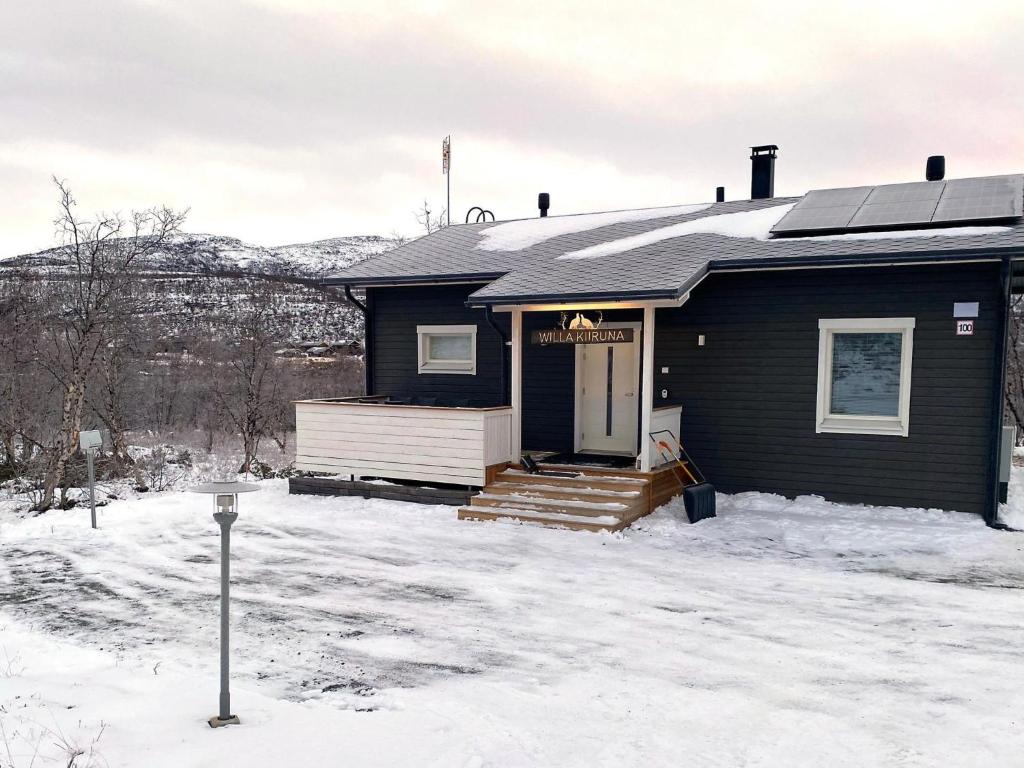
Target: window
447, 348
864, 375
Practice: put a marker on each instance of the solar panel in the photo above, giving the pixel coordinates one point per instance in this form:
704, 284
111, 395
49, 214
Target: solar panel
829, 198
901, 206
906, 193
823, 209
891, 204
809, 219
994, 197
889, 214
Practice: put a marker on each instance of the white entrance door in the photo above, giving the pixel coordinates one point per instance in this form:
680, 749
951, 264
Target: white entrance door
607, 388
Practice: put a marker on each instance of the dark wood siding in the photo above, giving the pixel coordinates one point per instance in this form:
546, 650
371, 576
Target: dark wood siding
397, 312
549, 382
548, 371
749, 395
549, 388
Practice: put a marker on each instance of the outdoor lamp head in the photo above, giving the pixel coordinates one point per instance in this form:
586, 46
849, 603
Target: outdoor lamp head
225, 496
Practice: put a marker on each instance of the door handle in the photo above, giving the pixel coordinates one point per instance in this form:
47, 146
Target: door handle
629, 394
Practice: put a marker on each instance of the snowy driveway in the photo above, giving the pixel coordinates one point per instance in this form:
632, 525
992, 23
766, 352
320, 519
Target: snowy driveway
779, 633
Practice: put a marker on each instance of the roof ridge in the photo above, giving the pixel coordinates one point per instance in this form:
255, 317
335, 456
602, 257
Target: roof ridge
709, 204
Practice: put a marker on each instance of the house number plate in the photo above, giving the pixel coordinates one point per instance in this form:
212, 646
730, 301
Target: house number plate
964, 327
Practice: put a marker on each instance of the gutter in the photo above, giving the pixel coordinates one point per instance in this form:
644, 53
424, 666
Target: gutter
873, 259
478, 277
536, 298
998, 395
502, 375
367, 339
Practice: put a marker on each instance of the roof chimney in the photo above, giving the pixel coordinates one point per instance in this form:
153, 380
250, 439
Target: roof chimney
543, 202
762, 171
719, 194
935, 168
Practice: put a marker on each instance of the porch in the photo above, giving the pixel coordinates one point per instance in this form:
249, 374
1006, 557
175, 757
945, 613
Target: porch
576, 394
461, 456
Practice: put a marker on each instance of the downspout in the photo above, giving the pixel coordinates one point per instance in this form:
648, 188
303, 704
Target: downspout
367, 340
489, 317
998, 394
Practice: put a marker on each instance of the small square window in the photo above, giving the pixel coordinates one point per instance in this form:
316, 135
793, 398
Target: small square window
864, 367
447, 348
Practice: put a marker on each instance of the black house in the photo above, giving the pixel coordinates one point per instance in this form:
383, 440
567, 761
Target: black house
849, 343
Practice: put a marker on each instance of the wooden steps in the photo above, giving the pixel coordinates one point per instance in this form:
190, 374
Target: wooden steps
577, 499
550, 520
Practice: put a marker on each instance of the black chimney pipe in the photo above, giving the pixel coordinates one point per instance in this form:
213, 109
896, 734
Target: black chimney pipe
543, 202
719, 194
935, 168
762, 171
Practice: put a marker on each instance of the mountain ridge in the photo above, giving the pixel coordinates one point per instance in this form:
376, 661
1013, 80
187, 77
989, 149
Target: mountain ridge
204, 253
199, 280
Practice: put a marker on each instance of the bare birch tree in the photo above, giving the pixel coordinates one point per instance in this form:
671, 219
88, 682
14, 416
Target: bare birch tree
248, 384
99, 258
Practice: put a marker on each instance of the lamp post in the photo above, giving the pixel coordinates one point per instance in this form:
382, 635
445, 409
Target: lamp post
225, 499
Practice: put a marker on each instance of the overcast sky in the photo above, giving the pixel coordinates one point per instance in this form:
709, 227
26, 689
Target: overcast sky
282, 121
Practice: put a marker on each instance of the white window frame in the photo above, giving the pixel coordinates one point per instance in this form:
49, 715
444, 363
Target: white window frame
427, 365
864, 425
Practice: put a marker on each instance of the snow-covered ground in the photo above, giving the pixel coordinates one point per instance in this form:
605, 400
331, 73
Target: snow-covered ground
374, 633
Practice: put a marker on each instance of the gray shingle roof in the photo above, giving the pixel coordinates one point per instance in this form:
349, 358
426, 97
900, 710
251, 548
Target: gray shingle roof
666, 268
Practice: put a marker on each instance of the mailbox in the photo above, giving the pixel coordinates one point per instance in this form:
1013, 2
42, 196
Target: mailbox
88, 440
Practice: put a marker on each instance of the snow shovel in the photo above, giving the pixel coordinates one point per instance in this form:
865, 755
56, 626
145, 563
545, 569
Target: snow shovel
698, 497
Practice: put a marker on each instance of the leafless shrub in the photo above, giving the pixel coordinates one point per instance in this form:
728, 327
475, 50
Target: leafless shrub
161, 468
431, 223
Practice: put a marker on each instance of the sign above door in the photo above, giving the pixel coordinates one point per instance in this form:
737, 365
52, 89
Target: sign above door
583, 336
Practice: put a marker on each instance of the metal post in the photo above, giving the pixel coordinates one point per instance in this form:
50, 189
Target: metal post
89, 460
446, 167
224, 519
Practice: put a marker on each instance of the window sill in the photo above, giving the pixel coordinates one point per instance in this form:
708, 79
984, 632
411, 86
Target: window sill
863, 427
447, 371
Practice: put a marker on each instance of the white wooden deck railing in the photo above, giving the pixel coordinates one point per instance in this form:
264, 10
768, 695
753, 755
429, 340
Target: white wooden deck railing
401, 442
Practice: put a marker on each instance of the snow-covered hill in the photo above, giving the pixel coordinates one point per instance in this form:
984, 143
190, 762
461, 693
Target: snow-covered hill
206, 254
201, 278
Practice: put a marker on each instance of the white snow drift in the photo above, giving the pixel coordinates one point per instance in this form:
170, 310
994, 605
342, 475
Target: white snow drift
517, 235
373, 633
752, 224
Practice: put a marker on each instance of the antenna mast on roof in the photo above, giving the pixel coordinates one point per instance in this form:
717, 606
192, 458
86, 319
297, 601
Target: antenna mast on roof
446, 166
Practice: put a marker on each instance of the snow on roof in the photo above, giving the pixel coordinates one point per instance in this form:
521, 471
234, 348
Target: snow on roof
524, 233
754, 224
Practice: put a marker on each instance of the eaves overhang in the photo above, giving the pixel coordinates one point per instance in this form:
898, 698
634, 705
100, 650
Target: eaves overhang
872, 259
367, 282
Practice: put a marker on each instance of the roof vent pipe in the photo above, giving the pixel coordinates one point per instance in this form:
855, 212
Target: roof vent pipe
719, 194
762, 171
935, 168
543, 202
